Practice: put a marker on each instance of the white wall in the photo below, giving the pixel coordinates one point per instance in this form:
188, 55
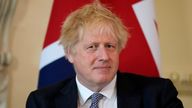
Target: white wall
28, 31
175, 31
29, 27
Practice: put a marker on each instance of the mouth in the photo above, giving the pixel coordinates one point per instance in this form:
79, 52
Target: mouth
102, 67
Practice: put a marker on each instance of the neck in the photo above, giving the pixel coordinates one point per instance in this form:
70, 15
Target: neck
95, 87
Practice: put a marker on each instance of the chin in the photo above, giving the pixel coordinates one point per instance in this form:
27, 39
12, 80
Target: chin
103, 79
104, 76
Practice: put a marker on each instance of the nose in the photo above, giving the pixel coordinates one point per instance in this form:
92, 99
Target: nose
103, 54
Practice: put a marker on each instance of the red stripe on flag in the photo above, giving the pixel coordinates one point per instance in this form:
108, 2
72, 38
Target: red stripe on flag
136, 57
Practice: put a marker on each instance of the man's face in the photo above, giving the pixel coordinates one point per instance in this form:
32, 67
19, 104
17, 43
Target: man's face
96, 59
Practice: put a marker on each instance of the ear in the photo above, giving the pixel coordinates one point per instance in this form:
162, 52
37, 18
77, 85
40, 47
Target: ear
70, 56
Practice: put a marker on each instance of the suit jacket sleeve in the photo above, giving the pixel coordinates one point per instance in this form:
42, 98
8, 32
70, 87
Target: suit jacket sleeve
169, 96
31, 101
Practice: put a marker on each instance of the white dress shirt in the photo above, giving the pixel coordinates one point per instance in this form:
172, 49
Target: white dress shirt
109, 92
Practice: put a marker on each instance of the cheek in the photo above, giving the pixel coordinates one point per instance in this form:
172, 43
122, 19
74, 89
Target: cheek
84, 59
88, 58
89, 61
115, 61
115, 57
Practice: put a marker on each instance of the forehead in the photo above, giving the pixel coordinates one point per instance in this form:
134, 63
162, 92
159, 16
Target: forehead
98, 30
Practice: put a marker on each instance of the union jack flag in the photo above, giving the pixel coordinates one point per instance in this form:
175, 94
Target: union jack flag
141, 55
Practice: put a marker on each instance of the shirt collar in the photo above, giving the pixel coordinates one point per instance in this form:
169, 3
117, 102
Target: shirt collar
109, 90
84, 93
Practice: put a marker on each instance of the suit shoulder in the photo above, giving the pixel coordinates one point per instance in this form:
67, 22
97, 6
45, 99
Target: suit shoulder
142, 80
159, 90
45, 97
54, 89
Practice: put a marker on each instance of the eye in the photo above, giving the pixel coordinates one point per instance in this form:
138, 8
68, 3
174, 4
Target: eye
92, 47
110, 46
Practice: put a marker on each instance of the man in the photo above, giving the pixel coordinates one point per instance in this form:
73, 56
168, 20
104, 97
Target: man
93, 38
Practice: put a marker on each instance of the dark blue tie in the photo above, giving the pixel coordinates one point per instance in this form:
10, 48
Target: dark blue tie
95, 97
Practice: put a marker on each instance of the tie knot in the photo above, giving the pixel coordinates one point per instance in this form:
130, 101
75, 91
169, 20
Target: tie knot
95, 97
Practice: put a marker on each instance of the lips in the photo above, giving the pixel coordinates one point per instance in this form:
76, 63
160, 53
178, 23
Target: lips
102, 67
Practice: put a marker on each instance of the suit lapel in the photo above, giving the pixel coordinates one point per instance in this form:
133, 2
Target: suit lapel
128, 95
68, 97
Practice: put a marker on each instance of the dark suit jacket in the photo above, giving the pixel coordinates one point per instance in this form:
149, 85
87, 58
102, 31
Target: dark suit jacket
133, 91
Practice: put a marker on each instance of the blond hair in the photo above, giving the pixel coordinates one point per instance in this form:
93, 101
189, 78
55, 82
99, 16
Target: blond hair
94, 14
